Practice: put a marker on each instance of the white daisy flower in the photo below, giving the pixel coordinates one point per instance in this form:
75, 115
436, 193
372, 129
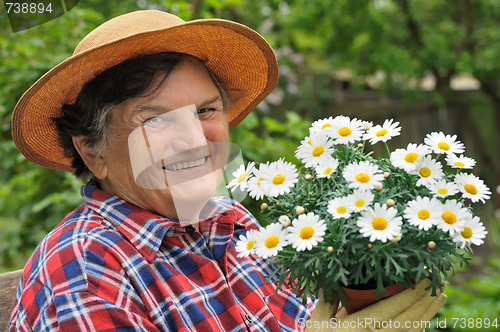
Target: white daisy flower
326, 169
472, 187
366, 125
473, 232
406, 158
255, 187
442, 188
279, 177
339, 208
423, 212
271, 240
306, 140
285, 221
428, 170
304, 144
321, 124
241, 177
379, 223
363, 175
382, 133
306, 231
441, 143
344, 130
452, 217
359, 200
246, 244
461, 161
318, 151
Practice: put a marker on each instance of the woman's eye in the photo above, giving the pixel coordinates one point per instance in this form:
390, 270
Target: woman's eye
205, 113
156, 119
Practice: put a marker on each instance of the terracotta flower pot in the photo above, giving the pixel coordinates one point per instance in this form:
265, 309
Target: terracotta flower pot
359, 299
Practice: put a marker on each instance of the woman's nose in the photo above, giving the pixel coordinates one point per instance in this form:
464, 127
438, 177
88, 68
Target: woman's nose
187, 132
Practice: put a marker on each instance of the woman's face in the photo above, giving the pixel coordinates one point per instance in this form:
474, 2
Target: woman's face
167, 151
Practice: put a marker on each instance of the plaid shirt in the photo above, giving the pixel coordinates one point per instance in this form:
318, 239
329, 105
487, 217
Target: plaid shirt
111, 266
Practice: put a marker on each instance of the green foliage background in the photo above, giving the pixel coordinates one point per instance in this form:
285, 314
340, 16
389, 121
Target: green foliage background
398, 41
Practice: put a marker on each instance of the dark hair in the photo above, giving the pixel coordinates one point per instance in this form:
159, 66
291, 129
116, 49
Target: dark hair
89, 116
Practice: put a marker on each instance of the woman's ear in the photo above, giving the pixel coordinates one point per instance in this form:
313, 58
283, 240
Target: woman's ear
96, 164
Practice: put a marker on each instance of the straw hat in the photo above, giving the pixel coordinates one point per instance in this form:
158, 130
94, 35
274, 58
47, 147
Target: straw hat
239, 56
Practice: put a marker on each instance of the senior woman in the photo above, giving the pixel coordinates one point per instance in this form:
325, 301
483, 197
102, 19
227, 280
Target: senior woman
143, 108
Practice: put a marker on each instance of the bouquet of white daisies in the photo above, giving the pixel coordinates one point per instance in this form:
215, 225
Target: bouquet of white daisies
347, 219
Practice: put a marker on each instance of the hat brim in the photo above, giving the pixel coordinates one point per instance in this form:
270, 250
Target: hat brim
239, 56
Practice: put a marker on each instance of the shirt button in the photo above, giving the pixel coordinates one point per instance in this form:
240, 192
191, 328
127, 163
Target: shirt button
190, 229
249, 318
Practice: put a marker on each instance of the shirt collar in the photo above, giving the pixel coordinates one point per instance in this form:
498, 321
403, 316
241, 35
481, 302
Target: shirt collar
146, 230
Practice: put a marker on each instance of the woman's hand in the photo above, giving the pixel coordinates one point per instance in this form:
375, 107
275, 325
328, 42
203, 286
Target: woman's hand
400, 312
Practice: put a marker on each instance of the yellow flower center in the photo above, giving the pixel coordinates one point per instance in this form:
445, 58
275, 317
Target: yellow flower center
242, 177
309, 142
272, 241
443, 146
325, 125
306, 232
379, 224
258, 182
345, 131
425, 172
459, 164
443, 191
362, 177
471, 189
411, 157
327, 171
449, 217
341, 210
423, 214
250, 245
359, 203
279, 179
381, 132
318, 151
467, 232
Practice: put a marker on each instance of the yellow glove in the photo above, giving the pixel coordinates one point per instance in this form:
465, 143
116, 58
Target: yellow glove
406, 311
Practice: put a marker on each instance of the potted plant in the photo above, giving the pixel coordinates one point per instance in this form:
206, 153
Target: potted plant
347, 220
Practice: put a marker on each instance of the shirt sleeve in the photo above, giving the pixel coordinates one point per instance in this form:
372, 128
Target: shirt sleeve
80, 311
84, 311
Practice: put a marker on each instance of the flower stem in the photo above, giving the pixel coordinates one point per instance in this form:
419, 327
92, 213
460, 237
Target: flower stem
388, 151
336, 185
308, 188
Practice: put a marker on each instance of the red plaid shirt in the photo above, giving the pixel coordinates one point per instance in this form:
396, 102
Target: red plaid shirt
111, 266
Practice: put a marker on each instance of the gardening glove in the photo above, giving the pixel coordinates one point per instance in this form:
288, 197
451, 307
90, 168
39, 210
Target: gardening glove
405, 310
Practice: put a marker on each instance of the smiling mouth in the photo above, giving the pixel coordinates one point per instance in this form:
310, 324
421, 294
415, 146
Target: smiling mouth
186, 164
